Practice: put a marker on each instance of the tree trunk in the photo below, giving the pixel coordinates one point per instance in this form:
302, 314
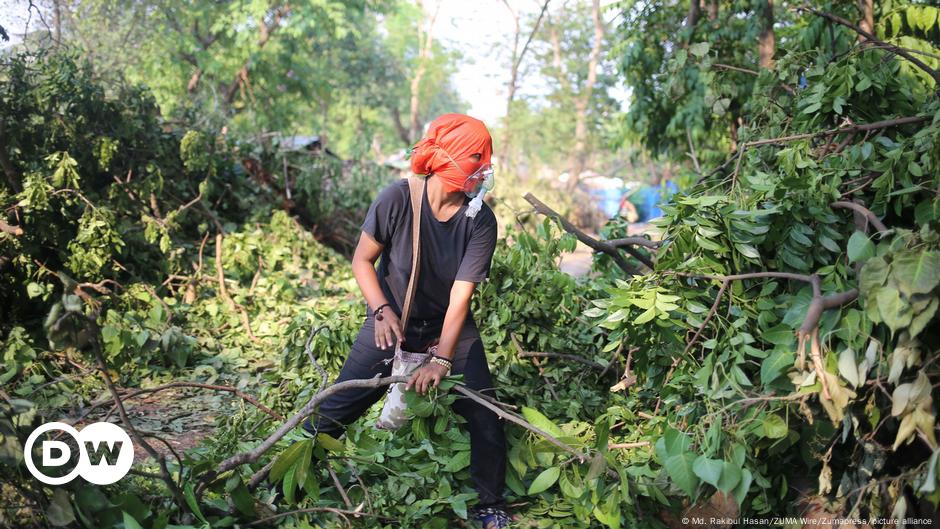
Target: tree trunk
517, 57
695, 12
577, 160
713, 10
768, 43
425, 41
511, 87
867, 7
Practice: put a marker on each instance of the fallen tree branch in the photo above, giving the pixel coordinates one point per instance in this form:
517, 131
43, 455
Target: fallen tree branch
637, 241
220, 272
872, 218
95, 332
15, 231
474, 396
595, 244
252, 455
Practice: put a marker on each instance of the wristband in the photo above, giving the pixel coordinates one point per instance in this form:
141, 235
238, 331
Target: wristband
440, 361
377, 313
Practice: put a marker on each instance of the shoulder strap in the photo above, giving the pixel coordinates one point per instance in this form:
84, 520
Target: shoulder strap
416, 186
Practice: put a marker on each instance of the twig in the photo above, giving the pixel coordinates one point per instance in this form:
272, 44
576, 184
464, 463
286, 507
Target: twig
565, 356
339, 486
789, 89
692, 153
15, 231
308, 348
228, 389
708, 318
623, 446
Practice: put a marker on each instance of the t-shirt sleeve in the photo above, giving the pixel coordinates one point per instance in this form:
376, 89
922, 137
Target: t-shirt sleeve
475, 265
384, 213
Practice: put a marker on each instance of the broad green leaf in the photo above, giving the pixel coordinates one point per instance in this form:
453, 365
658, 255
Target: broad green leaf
544, 480
848, 367
709, 470
679, 468
860, 247
730, 476
286, 459
772, 367
917, 272
541, 422
774, 427
699, 49
330, 443
130, 522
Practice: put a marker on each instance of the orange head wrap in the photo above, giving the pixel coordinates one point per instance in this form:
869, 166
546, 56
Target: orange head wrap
447, 147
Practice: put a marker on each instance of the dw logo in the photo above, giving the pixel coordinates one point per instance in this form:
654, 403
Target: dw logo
105, 453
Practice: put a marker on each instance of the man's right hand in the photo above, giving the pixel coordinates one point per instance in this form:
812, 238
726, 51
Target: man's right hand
388, 328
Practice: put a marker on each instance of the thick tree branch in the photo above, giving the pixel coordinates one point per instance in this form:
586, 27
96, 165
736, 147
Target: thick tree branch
595, 244
872, 218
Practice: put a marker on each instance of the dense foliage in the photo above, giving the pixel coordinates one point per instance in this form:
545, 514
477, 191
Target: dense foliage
780, 352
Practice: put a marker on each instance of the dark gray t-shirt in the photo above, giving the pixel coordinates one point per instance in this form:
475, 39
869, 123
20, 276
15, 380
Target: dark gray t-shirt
460, 248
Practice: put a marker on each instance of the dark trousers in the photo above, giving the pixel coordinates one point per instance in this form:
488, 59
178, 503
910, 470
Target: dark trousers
365, 360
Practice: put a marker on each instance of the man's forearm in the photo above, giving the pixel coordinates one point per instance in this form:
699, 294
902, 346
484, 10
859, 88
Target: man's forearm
368, 282
454, 321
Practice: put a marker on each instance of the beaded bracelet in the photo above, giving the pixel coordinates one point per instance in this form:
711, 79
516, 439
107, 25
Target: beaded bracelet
377, 313
441, 361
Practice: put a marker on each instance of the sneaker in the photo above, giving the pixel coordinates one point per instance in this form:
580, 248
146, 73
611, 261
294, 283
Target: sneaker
491, 517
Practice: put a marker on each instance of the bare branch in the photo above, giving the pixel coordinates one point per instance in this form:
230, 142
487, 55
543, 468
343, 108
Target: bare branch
597, 245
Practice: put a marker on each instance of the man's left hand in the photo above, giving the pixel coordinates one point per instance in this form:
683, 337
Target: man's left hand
426, 377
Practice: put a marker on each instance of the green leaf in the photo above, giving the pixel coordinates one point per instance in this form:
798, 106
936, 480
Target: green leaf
895, 312
190, 498
730, 476
917, 272
774, 427
330, 443
458, 461
771, 368
709, 470
286, 460
59, 512
543, 481
130, 522
541, 422
646, 316
747, 250
740, 492
860, 247
680, 471
699, 49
